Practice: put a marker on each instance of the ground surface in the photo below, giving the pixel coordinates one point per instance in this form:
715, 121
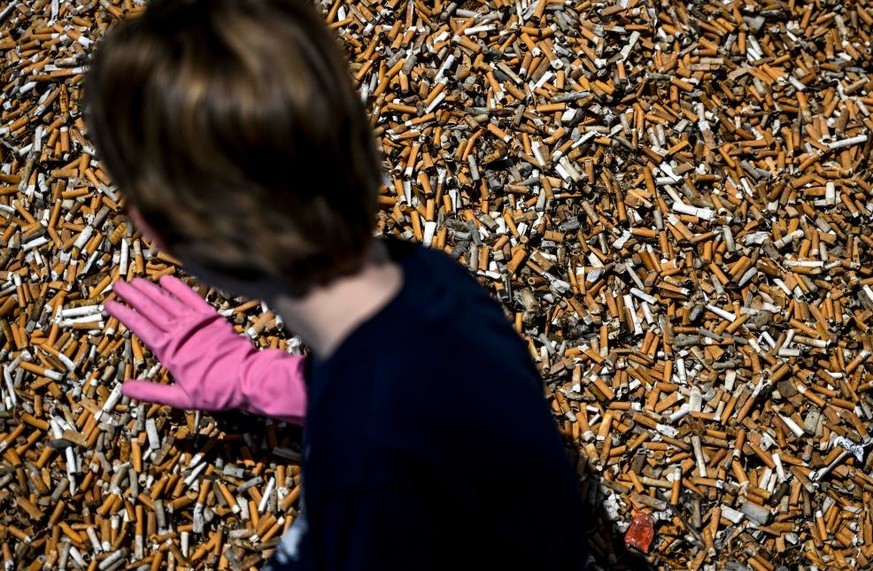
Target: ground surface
672, 201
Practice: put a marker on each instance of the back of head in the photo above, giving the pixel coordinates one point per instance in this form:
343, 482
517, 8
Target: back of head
233, 126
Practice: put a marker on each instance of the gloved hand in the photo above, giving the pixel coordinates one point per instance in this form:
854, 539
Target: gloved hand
214, 368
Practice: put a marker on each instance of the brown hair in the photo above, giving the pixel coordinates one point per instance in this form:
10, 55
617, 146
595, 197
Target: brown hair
234, 127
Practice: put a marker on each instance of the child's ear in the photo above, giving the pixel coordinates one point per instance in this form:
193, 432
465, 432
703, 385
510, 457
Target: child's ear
137, 219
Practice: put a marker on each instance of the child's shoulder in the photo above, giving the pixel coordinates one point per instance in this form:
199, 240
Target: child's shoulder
437, 287
443, 327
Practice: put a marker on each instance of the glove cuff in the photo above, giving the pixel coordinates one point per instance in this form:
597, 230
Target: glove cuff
272, 384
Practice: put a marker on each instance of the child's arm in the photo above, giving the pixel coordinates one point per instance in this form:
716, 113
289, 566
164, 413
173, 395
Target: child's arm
214, 368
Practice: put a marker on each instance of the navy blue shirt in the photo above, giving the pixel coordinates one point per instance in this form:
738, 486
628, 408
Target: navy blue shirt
428, 443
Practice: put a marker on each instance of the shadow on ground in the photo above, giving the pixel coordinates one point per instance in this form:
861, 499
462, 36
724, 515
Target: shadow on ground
605, 541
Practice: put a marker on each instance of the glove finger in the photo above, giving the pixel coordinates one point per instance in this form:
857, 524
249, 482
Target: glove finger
185, 293
163, 300
136, 322
148, 391
142, 303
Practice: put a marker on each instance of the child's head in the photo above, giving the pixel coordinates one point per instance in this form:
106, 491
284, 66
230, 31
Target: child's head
234, 129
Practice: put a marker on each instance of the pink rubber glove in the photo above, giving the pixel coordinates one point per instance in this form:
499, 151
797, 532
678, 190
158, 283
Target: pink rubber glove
214, 368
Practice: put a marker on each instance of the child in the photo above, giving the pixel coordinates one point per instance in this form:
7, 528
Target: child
233, 129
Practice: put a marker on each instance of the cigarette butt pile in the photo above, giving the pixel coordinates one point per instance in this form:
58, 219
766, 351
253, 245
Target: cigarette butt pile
671, 201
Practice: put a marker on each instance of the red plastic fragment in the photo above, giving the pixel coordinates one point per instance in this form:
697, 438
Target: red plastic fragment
641, 531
